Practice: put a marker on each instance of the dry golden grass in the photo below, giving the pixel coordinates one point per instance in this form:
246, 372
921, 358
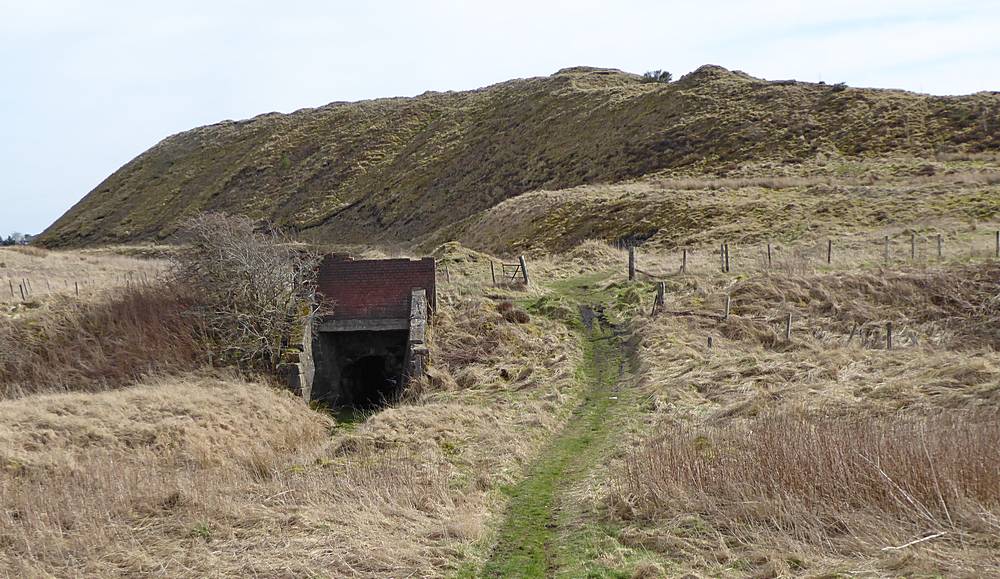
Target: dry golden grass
859, 488
764, 456
216, 476
51, 273
103, 342
195, 477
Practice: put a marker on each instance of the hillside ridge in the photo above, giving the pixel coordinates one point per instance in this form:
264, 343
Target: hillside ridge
403, 169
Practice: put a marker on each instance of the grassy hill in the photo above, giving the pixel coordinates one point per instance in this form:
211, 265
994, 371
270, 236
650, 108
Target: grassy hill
392, 171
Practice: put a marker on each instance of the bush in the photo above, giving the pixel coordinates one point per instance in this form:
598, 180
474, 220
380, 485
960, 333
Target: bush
255, 289
657, 76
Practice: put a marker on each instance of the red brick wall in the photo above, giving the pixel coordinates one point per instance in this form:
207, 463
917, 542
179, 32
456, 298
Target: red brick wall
374, 288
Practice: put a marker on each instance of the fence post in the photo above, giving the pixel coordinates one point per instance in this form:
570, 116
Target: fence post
524, 268
722, 256
21, 287
727, 256
11, 288
710, 342
729, 299
997, 250
76, 284
913, 246
769, 254
661, 289
684, 260
788, 328
887, 250
888, 335
631, 262
493, 273
939, 243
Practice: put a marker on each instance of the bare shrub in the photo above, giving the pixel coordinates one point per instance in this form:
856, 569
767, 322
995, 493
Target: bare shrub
255, 289
660, 76
850, 483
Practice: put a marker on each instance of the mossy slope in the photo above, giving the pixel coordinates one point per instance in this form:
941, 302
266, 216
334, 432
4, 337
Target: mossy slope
395, 170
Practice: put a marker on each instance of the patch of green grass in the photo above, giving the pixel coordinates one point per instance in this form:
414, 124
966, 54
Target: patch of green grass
528, 546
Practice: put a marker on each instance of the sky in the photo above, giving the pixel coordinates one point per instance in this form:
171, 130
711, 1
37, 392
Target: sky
85, 86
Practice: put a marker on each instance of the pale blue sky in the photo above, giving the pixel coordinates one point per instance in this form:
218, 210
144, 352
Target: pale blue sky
86, 86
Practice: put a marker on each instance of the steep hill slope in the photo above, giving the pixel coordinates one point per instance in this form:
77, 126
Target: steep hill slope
401, 169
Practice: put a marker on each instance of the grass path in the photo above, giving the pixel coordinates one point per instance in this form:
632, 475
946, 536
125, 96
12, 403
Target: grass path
546, 532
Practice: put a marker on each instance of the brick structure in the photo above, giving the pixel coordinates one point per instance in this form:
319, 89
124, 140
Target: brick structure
374, 289
363, 352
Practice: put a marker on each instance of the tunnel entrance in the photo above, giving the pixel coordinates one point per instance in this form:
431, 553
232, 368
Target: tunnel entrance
360, 369
370, 382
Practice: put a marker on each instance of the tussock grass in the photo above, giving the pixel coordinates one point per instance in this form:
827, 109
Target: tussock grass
853, 487
193, 476
771, 457
99, 344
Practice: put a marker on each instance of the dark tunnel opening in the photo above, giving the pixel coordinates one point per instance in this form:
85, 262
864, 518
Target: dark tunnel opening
370, 382
362, 370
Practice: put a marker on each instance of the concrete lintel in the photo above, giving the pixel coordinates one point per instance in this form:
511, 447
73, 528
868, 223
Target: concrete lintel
368, 325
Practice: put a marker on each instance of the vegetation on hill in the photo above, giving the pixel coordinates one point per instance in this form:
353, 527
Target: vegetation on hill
564, 429
390, 171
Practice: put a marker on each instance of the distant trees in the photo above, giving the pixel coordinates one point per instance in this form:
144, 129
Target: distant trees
657, 76
12, 239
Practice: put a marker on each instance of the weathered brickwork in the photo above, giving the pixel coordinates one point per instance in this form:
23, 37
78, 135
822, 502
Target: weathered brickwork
374, 289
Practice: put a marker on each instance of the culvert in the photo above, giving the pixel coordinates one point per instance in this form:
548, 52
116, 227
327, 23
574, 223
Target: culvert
362, 354
361, 369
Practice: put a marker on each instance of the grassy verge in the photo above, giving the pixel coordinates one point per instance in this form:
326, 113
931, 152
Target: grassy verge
529, 544
550, 529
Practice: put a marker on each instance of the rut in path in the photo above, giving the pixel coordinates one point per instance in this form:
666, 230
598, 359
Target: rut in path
536, 539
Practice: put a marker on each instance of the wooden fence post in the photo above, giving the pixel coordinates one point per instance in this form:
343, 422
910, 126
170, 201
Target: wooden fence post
661, 290
631, 263
710, 342
997, 249
888, 335
939, 243
722, 256
21, 287
684, 260
768, 254
829, 251
11, 288
493, 273
727, 257
76, 284
854, 329
887, 250
729, 301
524, 268
788, 328
913, 246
